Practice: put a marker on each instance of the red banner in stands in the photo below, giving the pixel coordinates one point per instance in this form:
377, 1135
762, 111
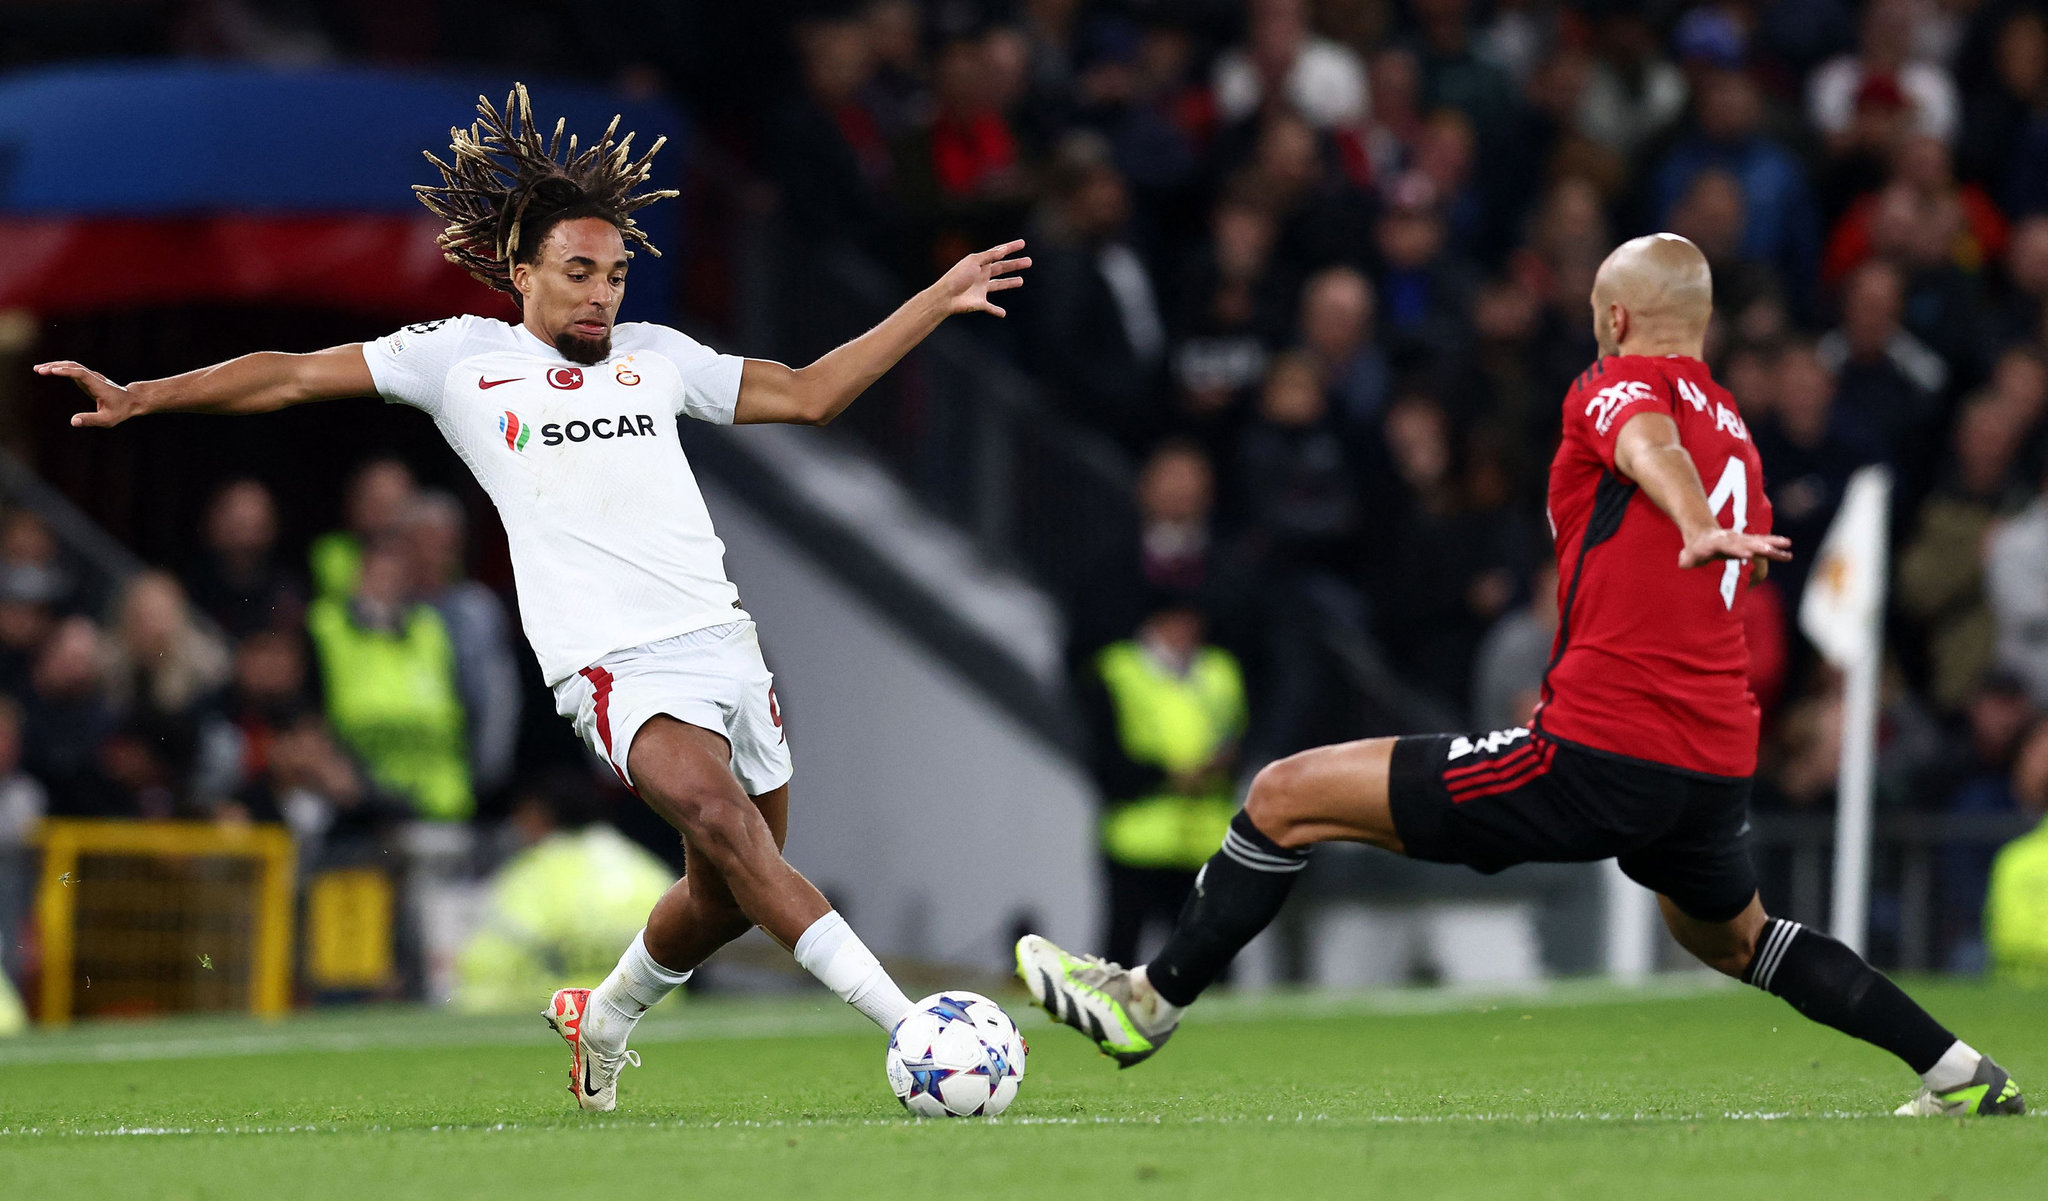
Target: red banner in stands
377, 265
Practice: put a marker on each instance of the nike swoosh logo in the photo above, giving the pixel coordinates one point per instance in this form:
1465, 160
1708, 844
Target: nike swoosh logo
492, 383
587, 1090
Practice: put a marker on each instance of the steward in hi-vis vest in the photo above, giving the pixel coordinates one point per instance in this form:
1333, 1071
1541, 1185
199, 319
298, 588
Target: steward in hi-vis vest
388, 682
1167, 712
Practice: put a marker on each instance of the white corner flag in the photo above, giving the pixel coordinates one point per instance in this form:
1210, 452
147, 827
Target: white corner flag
1842, 614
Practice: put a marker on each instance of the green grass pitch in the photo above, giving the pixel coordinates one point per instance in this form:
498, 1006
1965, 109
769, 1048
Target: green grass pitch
1580, 1092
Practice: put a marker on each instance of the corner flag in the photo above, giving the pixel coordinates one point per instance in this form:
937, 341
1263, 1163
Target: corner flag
1842, 614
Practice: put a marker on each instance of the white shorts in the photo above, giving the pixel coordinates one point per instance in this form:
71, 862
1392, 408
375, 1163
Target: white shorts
713, 678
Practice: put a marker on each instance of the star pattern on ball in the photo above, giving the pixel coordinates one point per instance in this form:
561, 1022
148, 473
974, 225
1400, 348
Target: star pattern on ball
926, 1077
950, 1009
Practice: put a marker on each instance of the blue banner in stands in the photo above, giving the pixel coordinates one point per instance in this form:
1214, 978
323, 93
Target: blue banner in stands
184, 140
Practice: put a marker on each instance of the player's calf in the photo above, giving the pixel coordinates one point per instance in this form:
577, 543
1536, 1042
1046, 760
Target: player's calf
1831, 984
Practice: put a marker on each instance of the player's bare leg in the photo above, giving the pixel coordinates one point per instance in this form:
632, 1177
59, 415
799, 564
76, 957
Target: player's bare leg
1328, 794
1832, 985
735, 878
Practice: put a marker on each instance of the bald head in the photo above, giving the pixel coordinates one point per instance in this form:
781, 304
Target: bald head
1653, 295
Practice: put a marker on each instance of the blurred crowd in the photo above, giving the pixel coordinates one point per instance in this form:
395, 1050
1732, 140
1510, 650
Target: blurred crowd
1321, 268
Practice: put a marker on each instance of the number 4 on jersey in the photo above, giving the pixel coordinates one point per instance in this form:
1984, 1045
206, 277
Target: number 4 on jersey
1733, 487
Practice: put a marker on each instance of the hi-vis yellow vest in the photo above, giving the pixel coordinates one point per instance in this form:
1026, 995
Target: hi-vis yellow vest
1176, 723
2016, 910
392, 699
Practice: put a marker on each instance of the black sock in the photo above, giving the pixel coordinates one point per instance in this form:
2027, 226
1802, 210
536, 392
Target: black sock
1832, 984
1235, 896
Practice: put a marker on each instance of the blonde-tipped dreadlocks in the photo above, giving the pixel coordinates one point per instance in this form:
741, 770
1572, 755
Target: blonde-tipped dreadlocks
507, 188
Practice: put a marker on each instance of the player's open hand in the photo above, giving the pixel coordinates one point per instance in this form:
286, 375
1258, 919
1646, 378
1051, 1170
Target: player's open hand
112, 403
966, 287
1718, 544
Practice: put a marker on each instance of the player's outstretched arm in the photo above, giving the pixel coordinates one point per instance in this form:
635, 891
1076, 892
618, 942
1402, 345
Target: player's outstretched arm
814, 395
1649, 452
254, 383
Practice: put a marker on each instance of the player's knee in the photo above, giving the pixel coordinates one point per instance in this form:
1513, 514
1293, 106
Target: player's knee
715, 824
1727, 950
1275, 802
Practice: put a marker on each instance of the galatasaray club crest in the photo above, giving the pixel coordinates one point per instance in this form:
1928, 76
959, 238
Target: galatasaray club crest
566, 378
516, 431
625, 375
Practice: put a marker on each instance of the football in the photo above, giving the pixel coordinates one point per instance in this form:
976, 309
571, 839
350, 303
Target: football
957, 1055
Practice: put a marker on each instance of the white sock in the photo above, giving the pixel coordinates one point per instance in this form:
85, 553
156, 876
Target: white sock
631, 990
1953, 1069
1153, 1011
832, 952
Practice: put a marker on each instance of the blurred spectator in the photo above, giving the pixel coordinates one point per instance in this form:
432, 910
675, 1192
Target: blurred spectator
158, 662
828, 150
896, 93
1283, 62
1236, 304
1941, 568
1780, 225
1929, 191
1884, 56
1300, 500
486, 664
267, 693
377, 496
1460, 554
2016, 910
1093, 312
67, 717
31, 562
388, 672
1808, 454
1337, 329
2000, 112
961, 175
1888, 381
1165, 714
1138, 91
1176, 498
310, 782
27, 595
1508, 670
2016, 583
1425, 289
1173, 550
1999, 718
238, 580
23, 803
2019, 314
1453, 73
1323, 216
1714, 214
560, 908
1632, 93
1300, 489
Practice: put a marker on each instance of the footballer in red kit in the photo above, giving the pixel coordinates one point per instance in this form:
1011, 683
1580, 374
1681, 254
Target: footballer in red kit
1640, 749
1650, 661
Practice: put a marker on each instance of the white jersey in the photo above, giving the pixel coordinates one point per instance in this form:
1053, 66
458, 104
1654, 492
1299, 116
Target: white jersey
611, 544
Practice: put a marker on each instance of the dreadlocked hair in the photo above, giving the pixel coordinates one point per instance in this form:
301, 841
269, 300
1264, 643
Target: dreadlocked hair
507, 188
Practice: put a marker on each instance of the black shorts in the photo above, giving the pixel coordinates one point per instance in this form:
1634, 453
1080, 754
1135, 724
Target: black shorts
1494, 800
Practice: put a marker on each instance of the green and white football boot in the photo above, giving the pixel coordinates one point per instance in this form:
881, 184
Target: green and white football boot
1093, 996
1990, 1091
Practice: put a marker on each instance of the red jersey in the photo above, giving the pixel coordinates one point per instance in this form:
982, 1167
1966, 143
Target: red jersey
1650, 660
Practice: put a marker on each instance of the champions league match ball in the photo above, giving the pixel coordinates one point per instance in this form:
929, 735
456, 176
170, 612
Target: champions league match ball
957, 1055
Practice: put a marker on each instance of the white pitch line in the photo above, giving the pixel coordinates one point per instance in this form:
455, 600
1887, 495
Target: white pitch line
730, 1023
1525, 1119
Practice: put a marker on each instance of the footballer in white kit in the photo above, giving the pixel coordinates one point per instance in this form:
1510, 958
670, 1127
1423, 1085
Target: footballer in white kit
567, 420
621, 580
